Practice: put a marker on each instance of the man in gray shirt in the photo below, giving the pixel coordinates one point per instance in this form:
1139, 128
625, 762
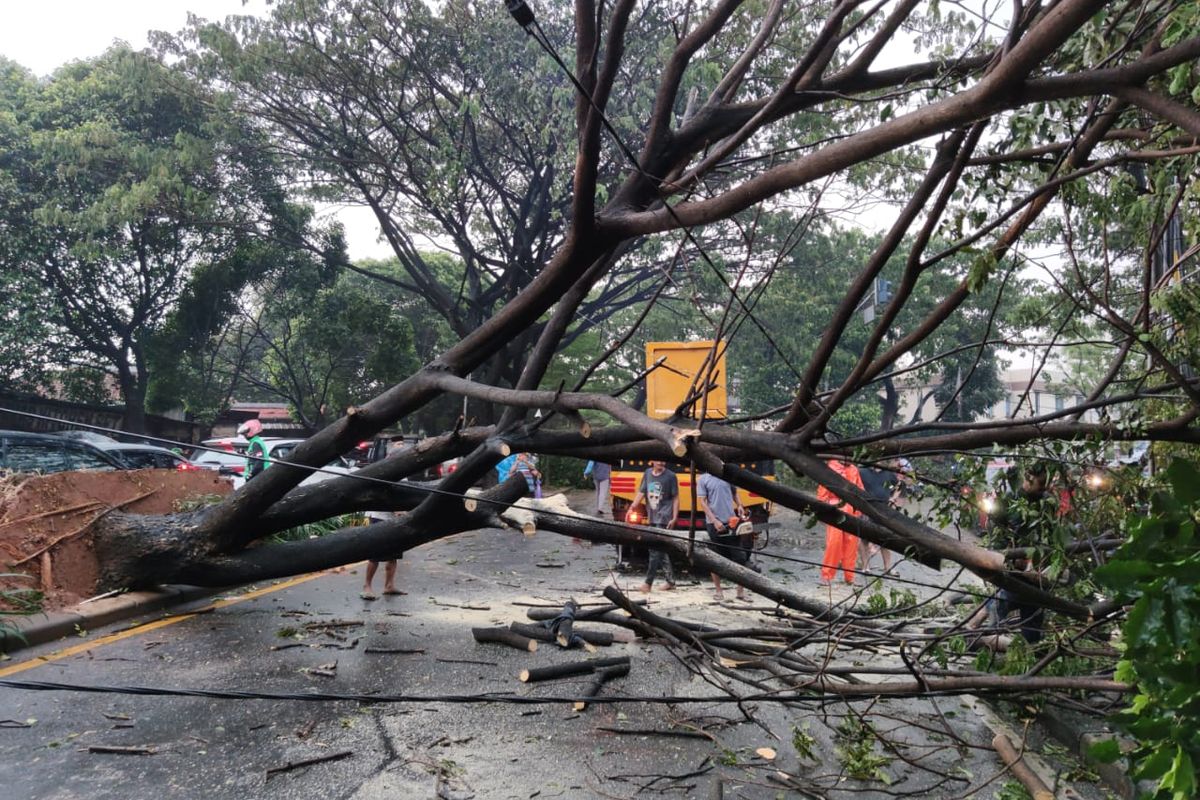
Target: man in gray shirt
722, 513
601, 473
660, 491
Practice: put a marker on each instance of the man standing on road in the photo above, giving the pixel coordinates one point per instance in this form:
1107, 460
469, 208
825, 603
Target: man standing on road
256, 449
389, 566
882, 487
841, 548
660, 491
600, 472
723, 512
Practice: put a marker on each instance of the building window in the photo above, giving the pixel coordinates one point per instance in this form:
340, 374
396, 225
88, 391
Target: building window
1059, 402
1008, 405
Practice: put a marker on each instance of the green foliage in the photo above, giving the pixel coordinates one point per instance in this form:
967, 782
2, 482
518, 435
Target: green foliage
563, 472
196, 502
803, 742
315, 530
1156, 572
1012, 790
856, 749
894, 600
16, 601
19, 600
121, 179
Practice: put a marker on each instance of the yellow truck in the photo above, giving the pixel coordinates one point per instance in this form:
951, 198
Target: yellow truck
686, 378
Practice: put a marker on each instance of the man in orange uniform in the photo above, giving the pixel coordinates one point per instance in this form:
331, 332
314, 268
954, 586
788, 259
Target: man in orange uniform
840, 546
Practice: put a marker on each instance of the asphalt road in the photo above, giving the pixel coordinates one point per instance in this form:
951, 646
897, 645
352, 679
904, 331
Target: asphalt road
315, 635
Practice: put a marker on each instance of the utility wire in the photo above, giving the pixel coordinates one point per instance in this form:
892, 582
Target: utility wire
463, 699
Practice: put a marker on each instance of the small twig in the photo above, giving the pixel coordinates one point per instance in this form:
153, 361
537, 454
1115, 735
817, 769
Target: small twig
133, 750
465, 661
654, 732
466, 606
100, 597
308, 762
349, 623
394, 650
59, 512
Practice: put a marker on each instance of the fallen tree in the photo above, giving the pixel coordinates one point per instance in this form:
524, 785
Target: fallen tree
995, 139
1112, 106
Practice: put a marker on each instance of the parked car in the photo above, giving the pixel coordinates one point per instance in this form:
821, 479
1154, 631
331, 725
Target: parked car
229, 458
91, 437
382, 447
225, 461
40, 453
147, 456
231, 444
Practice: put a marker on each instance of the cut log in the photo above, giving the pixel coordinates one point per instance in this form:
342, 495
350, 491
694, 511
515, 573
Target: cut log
603, 676
564, 624
567, 670
1020, 770
601, 638
504, 636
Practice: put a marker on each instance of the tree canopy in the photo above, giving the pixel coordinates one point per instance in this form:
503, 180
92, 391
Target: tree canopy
121, 181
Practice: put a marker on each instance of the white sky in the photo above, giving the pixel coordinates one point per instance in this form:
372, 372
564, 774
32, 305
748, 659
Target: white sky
45, 34
42, 35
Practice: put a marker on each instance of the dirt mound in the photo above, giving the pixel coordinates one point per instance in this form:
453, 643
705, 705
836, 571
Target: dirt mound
46, 520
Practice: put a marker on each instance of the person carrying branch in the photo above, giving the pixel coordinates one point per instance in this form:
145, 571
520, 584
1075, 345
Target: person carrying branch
841, 547
660, 491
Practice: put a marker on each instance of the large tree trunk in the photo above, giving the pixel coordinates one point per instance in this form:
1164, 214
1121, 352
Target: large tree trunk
133, 392
136, 551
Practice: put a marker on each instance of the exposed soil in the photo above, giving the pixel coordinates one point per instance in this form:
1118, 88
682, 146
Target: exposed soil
46, 521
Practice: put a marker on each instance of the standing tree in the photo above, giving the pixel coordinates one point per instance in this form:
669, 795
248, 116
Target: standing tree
125, 182
426, 118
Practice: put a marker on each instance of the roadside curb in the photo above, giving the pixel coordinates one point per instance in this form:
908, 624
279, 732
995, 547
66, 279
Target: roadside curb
1079, 734
35, 629
1075, 732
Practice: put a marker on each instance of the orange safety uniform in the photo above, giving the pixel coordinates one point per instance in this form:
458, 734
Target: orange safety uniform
841, 548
